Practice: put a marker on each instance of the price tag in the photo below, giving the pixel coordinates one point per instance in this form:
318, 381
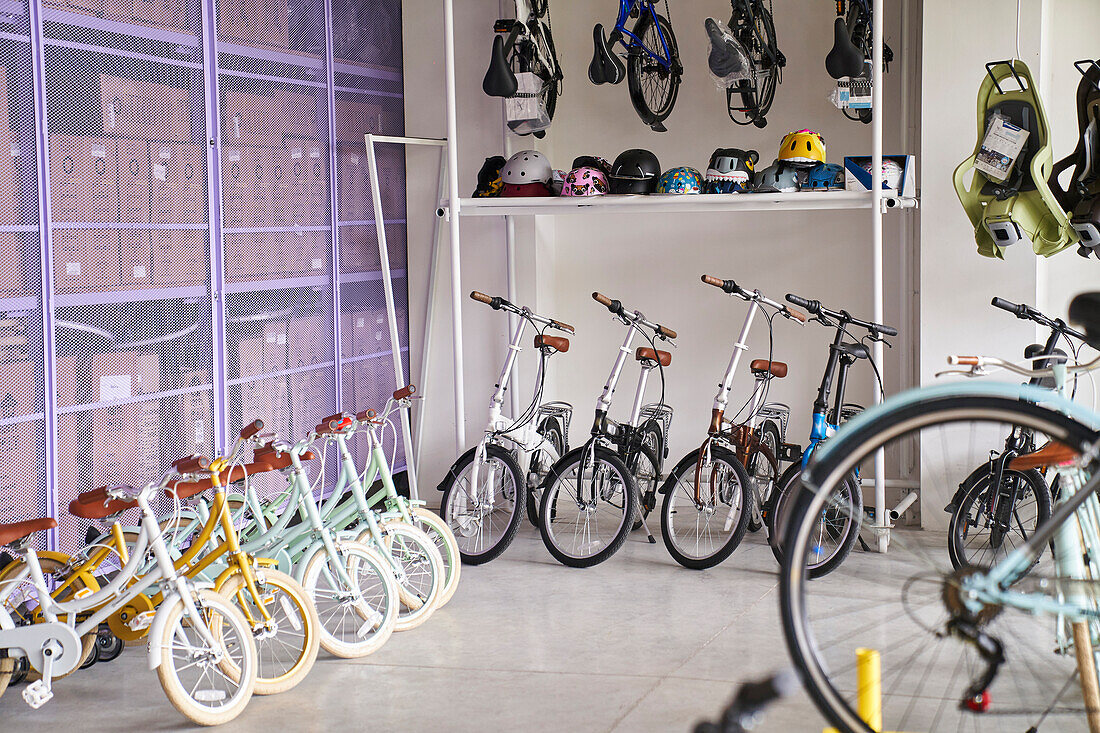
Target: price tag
1000, 148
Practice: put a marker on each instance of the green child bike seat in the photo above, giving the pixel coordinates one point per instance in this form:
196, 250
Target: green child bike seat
1021, 208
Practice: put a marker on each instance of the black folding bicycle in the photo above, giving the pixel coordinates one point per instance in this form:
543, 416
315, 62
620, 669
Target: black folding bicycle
753, 28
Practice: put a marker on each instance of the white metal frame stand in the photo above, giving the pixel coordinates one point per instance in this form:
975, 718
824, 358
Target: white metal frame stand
876, 200
411, 460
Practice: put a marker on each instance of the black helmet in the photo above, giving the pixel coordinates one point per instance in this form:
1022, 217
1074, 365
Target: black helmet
635, 171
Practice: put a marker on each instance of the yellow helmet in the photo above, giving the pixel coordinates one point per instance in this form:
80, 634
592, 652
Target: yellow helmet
804, 147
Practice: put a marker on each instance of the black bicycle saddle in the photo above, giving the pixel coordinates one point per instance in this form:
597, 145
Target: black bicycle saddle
1085, 310
856, 351
723, 60
606, 67
844, 59
499, 80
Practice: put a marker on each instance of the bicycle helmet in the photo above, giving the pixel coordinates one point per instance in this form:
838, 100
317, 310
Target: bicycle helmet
776, 178
891, 173
592, 161
585, 181
526, 166
525, 190
730, 170
804, 147
635, 171
680, 180
557, 180
825, 177
488, 178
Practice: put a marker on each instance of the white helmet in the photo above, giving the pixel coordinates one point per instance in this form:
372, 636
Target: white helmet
526, 166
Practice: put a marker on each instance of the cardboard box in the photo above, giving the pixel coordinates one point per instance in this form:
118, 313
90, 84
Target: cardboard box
145, 110
133, 181
857, 178
310, 400
135, 259
178, 193
88, 7
353, 192
85, 260
251, 119
236, 188
276, 349
255, 22
13, 258
83, 179
10, 192
154, 13
125, 437
302, 116
309, 182
180, 257
354, 118
310, 341
196, 413
391, 180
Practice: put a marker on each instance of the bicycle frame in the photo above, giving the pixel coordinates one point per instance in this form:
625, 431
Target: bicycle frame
664, 58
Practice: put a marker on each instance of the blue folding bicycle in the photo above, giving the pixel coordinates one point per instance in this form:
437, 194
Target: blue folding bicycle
652, 67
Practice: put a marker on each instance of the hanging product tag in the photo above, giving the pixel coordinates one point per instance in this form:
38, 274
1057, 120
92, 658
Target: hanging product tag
525, 110
1000, 148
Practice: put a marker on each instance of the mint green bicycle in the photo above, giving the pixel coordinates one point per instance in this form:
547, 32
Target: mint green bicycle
1009, 645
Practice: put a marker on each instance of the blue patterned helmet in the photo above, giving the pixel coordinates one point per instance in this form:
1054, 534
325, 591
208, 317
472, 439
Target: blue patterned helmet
680, 180
824, 177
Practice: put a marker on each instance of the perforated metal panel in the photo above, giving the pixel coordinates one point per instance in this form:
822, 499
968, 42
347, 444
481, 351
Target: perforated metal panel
136, 286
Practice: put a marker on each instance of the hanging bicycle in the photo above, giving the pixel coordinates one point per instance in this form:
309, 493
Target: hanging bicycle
849, 60
652, 68
745, 58
524, 68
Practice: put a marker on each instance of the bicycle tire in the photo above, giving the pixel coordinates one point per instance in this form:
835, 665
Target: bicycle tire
433, 525
417, 554
759, 463
682, 480
219, 610
977, 491
789, 508
813, 654
603, 460
645, 467
466, 526
550, 430
636, 72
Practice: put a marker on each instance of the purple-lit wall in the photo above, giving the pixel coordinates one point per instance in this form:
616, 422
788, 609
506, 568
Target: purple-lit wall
187, 232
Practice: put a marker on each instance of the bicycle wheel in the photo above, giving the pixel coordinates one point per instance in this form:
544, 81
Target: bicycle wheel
541, 461
588, 506
433, 525
287, 646
701, 533
837, 524
643, 464
909, 604
190, 671
653, 87
419, 572
984, 529
484, 518
356, 619
763, 473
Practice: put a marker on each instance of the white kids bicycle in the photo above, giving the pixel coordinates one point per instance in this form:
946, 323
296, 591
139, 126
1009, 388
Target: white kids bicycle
487, 488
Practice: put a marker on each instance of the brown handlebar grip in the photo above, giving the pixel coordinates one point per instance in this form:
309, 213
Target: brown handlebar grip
407, 391
712, 280
252, 430
666, 332
602, 299
192, 464
481, 297
367, 414
563, 326
966, 360
331, 418
796, 314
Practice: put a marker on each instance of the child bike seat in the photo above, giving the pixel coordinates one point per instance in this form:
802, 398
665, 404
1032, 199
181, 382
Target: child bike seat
552, 342
1023, 207
762, 366
1085, 310
646, 354
16, 531
95, 504
1081, 198
606, 67
499, 80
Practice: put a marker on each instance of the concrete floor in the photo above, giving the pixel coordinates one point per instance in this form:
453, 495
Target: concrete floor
635, 644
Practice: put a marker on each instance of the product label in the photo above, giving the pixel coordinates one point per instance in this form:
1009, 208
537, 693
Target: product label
97, 150
233, 156
200, 436
1000, 148
72, 269
165, 153
317, 263
139, 272
315, 152
295, 153
115, 387
111, 116
160, 172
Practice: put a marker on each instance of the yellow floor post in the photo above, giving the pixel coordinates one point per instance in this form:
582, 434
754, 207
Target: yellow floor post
869, 680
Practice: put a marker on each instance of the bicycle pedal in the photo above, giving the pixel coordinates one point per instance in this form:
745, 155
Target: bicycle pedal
504, 25
142, 621
37, 694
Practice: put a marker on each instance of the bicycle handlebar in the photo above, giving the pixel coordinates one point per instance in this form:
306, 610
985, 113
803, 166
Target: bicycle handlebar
252, 430
815, 308
191, 464
498, 303
979, 362
1027, 313
731, 287
616, 308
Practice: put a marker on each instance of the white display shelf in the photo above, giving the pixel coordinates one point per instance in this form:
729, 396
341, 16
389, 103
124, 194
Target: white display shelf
669, 203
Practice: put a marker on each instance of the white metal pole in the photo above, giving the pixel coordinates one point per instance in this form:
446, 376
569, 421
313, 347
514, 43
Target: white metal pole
510, 248
454, 204
429, 307
391, 311
878, 111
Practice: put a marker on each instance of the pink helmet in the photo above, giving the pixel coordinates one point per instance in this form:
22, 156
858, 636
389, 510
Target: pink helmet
585, 181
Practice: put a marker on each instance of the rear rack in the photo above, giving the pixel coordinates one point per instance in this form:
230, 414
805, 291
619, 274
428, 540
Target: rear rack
663, 414
561, 410
777, 411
